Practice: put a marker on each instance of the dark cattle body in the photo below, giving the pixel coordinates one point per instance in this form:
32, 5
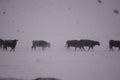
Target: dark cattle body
88, 43
114, 43
81, 44
73, 43
40, 43
9, 43
99, 1
46, 79
1, 43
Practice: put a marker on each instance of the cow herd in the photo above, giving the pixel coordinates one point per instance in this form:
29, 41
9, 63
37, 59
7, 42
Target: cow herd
81, 44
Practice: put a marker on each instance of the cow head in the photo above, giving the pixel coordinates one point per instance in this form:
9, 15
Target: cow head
15, 40
1, 43
48, 45
97, 43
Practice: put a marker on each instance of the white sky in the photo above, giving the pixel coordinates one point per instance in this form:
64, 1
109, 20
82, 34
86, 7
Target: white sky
59, 20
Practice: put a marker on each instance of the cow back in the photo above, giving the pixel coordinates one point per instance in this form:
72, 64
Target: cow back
115, 43
10, 42
86, 42
40, 43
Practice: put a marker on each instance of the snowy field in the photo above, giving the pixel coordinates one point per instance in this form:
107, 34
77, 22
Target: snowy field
56, 21
61, 63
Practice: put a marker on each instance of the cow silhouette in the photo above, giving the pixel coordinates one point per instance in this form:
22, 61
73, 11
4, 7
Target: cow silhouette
114, 43
10, 43
89, 43
40, 43
1, 43
73, 43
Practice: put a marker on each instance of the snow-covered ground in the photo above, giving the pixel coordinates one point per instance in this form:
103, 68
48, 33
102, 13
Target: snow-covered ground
61, 63
56, 21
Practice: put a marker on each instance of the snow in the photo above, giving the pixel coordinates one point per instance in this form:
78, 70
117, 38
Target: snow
61, 63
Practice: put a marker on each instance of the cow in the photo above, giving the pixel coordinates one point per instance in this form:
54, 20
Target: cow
99, 1
114, 43
73, 43
40, 43
41, 78
88, 43
1, 43
10, 43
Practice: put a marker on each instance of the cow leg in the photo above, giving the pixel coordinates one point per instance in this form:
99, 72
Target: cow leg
111, 48
43, 48
5, 48
80, 48
119, 48
83, 48
75, 48
0, 47
11, 49
92, 49
89, 48
33, 48
14, 48
68, 46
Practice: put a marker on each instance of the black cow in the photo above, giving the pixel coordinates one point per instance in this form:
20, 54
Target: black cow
114, 43
40, 43
9, 43
99, 1
46, 78
88, 43
73, 43
116, 11
1, 43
